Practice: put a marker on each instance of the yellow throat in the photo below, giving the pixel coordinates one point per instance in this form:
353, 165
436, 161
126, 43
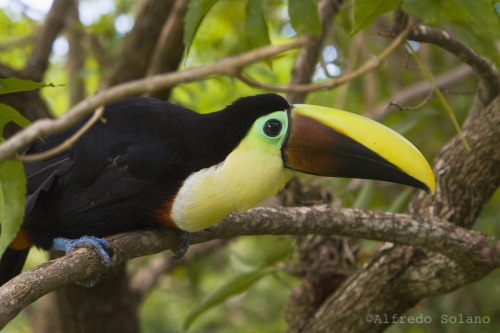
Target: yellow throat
250, 173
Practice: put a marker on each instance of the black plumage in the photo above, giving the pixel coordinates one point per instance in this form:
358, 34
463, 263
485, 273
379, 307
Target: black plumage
123, 172
120, 173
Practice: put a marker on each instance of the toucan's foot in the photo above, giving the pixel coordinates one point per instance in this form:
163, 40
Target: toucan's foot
99, 245
181, 250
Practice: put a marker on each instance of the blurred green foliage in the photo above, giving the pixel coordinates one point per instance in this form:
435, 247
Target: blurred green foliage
261, 308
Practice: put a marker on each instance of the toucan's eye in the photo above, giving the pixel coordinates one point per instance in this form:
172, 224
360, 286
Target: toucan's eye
272, 127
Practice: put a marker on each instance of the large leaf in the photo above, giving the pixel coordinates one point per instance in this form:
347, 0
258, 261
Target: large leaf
197, 10
12, 200
304, 16
434, 12
237, 285
12, 84
8, 114
256, 27
366, 11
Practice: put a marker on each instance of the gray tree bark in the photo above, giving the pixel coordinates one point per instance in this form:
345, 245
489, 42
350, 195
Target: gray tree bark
398, 277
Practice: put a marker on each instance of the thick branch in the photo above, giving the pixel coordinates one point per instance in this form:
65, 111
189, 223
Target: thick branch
54, 23
140, 42
227, 66
168, 52
76, 57
305, 64
171, 35
29, 103
399, 277
465, 246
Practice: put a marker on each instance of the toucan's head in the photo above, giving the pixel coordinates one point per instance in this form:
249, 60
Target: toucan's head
329, 142
263, 140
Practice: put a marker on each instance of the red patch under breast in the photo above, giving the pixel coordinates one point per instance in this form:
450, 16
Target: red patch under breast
163, 214
21, 242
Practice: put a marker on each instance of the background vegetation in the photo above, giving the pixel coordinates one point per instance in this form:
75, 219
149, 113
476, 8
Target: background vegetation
264, 283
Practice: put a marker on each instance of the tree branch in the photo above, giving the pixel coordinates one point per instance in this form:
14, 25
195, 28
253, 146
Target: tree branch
226, 66
168, 51
303, 88
67, 144
54, 23
305, 64
17, 43
76, 55
171, 34
465, 246
398, 277
419, 90
140, 43
483, 67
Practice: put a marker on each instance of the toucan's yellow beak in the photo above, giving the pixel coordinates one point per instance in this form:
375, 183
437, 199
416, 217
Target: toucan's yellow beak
329, 142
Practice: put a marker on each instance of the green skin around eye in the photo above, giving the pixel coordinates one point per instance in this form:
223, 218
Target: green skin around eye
252, 172
265, 140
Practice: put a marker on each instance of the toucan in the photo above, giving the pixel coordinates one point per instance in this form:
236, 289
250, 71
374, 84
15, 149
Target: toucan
150, 163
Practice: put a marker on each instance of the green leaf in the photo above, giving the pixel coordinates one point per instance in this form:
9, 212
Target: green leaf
255, 24
481, 40
476, 23
13, 84
237, 285
304, 16
434, 12
366, 11
12, 200
8, 114
365, 196
197, 10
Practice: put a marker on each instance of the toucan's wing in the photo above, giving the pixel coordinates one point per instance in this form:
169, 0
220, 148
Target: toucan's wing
114, 161
40, 177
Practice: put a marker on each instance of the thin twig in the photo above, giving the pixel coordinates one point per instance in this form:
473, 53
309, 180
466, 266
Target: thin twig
419, 89
366, 67
226, 66
411, 108
483, 67
443, 101
67, 144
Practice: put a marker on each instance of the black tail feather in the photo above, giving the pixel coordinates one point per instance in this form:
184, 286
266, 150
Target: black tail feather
12, 263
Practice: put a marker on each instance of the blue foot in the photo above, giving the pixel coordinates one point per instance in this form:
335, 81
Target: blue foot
97, 244
181, 250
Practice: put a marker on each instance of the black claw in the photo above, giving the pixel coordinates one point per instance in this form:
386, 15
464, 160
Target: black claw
181, 250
